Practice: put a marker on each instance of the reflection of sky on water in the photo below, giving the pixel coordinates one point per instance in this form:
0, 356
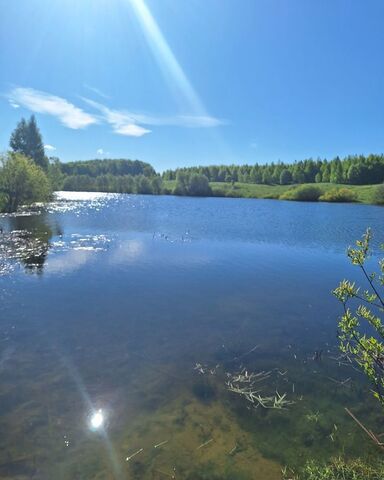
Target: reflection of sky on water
68, 262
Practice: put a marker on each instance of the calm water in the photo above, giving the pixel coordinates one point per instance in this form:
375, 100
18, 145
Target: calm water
109, 301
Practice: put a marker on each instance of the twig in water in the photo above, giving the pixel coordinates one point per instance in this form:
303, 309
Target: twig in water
205, 444
134, 454
342, 383
232, 450
247, 353
161, 444
368, 432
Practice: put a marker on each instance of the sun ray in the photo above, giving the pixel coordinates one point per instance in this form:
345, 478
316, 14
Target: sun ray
185, 94
166, 59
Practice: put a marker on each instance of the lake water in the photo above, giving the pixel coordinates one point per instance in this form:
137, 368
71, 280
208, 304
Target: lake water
123, 318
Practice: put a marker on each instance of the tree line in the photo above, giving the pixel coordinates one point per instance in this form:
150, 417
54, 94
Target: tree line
107, 175
353, 170
27, 175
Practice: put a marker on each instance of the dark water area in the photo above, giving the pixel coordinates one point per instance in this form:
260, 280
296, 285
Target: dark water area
108, 302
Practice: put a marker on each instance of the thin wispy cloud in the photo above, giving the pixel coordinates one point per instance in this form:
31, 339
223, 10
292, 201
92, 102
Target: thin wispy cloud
42, 102
51, 148
122, 118
96, 90
121, 122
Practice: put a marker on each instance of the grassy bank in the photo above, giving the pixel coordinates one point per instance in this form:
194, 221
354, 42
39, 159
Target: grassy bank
364, 193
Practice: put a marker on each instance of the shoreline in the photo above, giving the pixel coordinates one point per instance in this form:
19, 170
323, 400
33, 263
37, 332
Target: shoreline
364, 193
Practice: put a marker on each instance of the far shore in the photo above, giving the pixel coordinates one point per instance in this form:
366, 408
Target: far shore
363, 193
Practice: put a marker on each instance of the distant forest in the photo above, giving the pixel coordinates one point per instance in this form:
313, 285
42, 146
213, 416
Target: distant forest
114, 175
130, 175
134, 176
353, 170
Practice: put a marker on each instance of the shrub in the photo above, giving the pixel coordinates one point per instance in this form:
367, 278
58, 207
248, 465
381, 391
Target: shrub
378, 195
339, 195
303, 193
270, 196
22, 182
195, 185
199, 186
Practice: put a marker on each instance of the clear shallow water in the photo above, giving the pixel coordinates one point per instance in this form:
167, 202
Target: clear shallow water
109, 301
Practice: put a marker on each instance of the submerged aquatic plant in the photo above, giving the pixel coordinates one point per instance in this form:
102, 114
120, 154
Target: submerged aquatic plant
313, 417
247, 385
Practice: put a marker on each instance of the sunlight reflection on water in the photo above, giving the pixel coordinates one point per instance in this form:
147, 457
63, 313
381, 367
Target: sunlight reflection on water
97, 420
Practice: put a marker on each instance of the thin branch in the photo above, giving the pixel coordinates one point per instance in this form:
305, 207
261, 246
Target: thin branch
372, 285
368, 432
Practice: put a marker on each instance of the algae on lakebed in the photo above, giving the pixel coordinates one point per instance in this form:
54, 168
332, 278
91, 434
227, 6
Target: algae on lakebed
204, 441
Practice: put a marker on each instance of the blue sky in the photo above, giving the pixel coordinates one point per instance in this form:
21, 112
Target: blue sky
187, 82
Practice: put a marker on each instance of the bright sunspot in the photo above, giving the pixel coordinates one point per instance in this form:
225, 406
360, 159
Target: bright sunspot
97, 420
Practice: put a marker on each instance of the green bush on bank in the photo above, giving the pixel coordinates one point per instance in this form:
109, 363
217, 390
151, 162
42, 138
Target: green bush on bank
303, 193
194, 185
22, 182
339, 195
378, 195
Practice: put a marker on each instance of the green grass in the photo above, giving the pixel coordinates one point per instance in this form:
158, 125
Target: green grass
247, 190
338, 469
364, 193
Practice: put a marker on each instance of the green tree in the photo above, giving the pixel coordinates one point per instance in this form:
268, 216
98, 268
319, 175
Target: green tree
143, 185
354, 174
361, 333
266, 177
26, 139
22, 182
298, 176
156, 185
256, 174
199, 186
55, 174
318, 177
326, 173
336, 171
181, 183
285, 177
